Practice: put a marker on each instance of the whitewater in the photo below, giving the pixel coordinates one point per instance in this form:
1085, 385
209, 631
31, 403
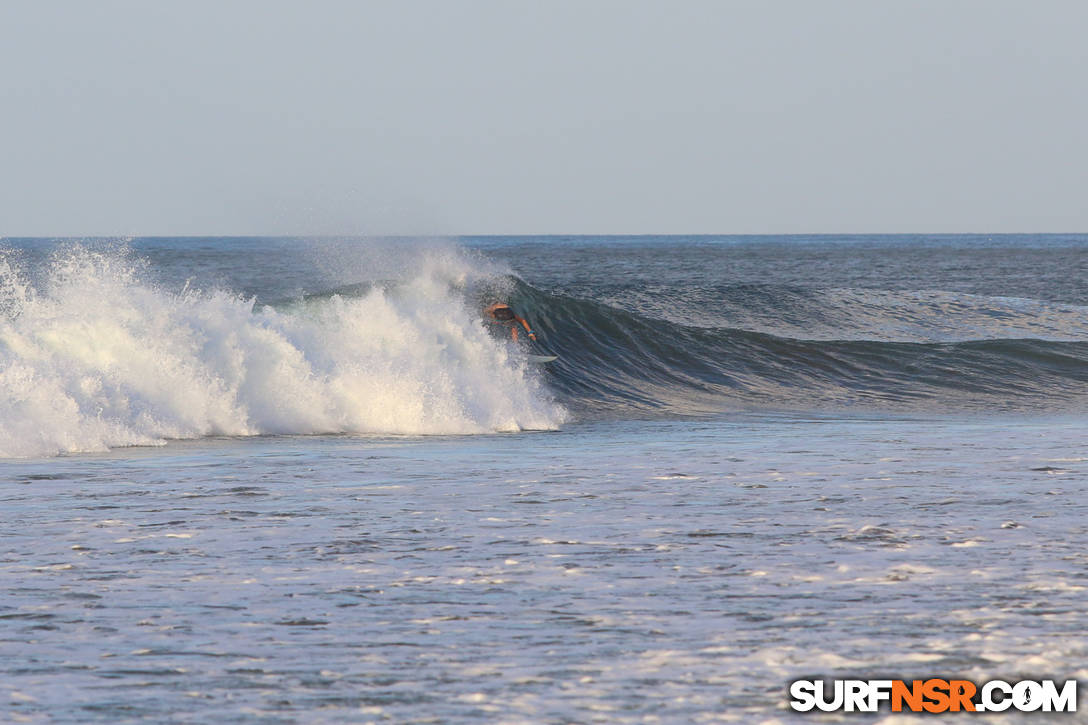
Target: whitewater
271, 480
95, 356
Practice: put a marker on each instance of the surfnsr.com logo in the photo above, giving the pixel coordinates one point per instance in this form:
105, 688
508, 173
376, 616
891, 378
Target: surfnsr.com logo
933, 695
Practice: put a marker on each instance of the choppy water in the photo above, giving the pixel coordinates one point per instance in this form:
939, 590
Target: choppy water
756, 460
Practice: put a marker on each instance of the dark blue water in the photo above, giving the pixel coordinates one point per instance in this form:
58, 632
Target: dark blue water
288, 480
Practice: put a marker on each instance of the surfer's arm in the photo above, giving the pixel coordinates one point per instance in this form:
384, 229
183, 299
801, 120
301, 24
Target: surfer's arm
532, 335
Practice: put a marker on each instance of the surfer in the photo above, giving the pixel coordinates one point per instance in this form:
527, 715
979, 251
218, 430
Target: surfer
501, 314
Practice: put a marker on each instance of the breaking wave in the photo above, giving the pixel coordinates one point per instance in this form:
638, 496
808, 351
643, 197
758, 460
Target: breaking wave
94, 355
95, 352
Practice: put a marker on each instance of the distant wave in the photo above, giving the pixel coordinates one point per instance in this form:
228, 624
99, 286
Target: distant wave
94, 356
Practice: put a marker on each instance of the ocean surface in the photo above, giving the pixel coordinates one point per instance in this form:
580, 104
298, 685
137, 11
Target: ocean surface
302, 480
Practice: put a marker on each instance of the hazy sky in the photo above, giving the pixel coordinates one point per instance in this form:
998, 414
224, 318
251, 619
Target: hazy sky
469, 117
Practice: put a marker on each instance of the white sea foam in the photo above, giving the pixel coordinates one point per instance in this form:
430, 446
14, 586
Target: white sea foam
96, 356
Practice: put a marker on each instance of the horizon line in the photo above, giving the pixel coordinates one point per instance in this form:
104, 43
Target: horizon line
525, 235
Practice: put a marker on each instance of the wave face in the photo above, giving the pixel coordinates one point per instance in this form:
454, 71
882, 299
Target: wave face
907, 351
94, 355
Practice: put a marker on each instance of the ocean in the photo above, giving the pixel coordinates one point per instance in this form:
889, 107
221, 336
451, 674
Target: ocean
278, 480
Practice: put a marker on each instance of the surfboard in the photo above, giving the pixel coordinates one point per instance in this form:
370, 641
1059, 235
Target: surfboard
541, 359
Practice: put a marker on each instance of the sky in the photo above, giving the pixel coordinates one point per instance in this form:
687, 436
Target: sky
259, 117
